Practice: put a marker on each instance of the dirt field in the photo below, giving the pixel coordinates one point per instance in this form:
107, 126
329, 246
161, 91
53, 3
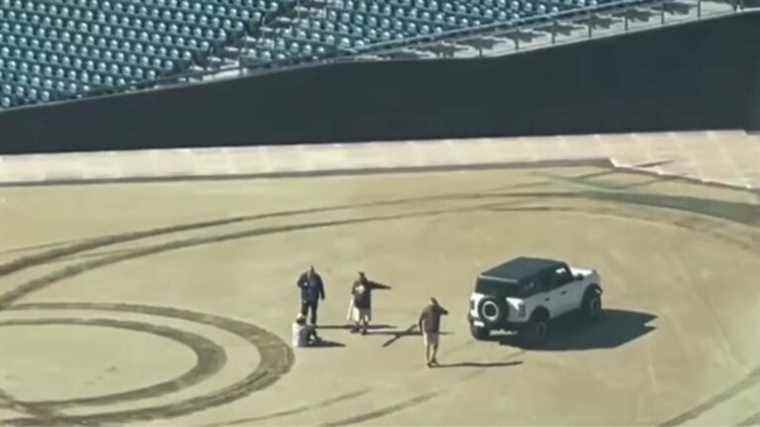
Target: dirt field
171, 303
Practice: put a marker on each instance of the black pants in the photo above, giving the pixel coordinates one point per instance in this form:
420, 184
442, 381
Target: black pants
310, 305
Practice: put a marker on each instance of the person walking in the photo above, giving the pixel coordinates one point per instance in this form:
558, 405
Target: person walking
361, 293
430, 326
312, 290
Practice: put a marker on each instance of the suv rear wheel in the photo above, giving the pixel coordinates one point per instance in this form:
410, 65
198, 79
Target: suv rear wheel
536, 330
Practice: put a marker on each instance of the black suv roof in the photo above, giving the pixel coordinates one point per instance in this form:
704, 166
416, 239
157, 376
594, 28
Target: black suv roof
519, 269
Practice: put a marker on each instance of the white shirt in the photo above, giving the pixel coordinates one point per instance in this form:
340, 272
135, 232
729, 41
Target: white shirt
299, 335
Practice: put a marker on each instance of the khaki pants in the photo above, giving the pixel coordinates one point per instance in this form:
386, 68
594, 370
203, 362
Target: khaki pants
362, 315
431, 346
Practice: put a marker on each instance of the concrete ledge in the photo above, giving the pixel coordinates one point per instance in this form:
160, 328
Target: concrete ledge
728, 158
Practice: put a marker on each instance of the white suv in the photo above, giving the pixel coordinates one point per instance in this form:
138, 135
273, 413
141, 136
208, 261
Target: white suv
524, 294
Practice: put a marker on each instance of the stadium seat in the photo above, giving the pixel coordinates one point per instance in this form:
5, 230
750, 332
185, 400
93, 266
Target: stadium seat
58, 49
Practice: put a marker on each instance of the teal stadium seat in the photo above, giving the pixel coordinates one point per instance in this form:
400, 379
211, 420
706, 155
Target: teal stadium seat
54, 50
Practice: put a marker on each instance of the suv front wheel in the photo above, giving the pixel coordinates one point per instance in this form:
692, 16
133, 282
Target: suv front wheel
535, 332
591, 306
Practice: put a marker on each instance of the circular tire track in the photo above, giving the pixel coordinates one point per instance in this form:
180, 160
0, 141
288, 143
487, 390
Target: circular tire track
276, 360
211, 358
735, 212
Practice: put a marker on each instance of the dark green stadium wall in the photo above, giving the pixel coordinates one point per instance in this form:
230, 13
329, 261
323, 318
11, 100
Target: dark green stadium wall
699, 76
753, 110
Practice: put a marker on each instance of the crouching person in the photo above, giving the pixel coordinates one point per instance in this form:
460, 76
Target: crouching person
304, 335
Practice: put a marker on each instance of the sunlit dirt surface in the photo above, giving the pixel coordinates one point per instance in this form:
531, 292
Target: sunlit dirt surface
171, 303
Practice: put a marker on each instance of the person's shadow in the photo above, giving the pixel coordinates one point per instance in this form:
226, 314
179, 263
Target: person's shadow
323, 343
395, 335
370, 327
478, 364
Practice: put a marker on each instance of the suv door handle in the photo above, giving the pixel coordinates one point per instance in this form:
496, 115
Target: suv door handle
547, 299
563, 292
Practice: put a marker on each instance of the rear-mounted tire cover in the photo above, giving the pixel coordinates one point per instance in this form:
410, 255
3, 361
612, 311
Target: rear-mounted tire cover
491, 310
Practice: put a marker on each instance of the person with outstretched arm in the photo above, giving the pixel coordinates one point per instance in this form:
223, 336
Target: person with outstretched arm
361, 294
430, 326
312, 290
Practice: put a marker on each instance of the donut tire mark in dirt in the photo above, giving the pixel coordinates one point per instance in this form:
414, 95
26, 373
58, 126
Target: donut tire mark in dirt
749, 381
276, 360
32, 286
741, 213
210, 359
65, 249
297, 410
723, 210
417, 400
754, 420
424, 397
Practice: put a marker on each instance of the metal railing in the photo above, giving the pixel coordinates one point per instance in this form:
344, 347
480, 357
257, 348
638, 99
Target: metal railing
606, 20
492, 40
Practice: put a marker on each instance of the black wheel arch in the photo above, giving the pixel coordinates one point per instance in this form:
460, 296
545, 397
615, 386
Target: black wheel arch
592, 289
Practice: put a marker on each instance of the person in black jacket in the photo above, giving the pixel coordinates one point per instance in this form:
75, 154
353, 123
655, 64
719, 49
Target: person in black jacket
312, 290
361, 293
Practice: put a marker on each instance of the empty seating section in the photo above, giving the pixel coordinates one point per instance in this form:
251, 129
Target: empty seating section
343, 25
63, 49
60, 49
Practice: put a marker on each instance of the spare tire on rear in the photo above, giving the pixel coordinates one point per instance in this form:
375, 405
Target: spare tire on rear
492, 311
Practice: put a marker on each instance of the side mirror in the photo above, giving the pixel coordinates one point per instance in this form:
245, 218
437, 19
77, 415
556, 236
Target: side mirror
578, 277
